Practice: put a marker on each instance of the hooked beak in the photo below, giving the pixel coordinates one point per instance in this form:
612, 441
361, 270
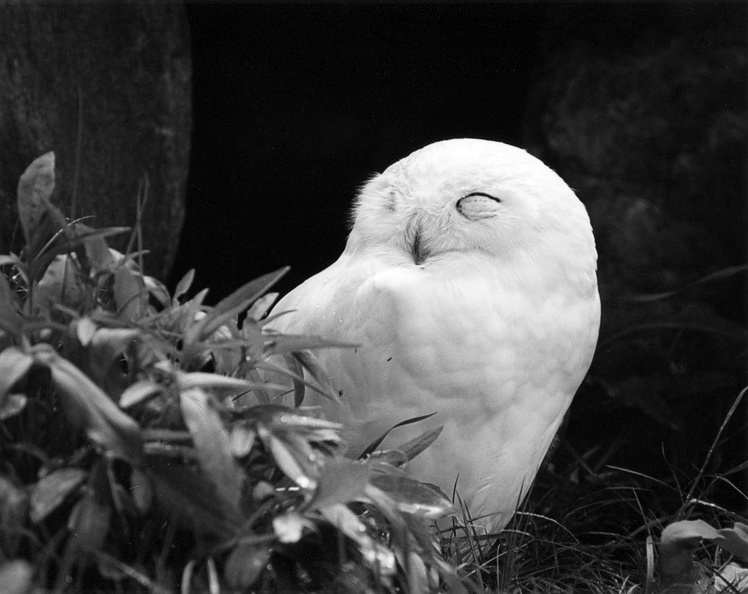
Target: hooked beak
418, 250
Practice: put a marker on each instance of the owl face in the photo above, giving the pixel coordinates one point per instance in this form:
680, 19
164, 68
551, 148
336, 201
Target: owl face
477, 196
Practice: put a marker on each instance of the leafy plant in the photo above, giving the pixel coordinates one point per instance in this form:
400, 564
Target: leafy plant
143, 447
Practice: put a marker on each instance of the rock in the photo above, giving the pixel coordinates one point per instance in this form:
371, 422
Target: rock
644, 114
108, 88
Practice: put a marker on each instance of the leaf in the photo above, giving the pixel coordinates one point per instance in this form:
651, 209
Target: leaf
35, 186
287, 458
340, 481
735, 540
242, 439
309, 363
16, 577
232, 305
261, 306
49, 493
14, 505
184, 285
14, 404
87, 406
158, 290
245, 564
141, 490
199, 379
687, 533
418, 444
61, 284
100, 257
375, 444
84, 330
129, 293
138, 392
14, 364
6, 293
10, 321
287, 343
212, 445
297, 375
412, 496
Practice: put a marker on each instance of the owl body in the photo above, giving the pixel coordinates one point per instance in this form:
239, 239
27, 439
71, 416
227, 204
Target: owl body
468, 299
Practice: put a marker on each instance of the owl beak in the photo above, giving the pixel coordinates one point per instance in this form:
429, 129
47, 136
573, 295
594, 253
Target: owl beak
418, 250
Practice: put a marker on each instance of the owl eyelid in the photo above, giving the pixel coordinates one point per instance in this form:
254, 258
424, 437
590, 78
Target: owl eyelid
482, 194
475, 210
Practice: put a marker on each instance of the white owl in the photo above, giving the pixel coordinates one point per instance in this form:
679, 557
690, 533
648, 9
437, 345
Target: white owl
469, 280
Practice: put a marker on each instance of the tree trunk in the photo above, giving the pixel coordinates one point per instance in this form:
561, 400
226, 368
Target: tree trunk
108, 88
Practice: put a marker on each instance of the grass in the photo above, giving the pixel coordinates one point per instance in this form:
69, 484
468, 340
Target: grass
141, 449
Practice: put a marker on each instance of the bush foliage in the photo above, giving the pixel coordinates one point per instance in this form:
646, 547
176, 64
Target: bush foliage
143, 448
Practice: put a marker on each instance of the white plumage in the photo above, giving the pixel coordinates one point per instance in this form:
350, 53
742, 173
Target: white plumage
469, 280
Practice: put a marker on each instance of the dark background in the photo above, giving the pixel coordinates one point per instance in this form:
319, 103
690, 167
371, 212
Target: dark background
296, 106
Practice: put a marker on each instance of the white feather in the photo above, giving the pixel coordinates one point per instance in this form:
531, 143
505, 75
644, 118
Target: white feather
469, 280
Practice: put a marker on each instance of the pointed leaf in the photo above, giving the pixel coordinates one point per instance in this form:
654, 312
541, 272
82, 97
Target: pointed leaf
212, 445
157, 290
340, 481
138, 392
287, 459
129, 293
84, 330
297, 374
52, 490
687, 533
412, 496
287, 343
17, 577
184, 285
375, 444
14, 404
199, 379
14, 364
35, 187
735, 540
418, 444
245, 564
242, 439
261, 306
141, 489
309, 362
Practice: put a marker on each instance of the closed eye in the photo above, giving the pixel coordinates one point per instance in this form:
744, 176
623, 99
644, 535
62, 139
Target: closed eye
481, 194
478, 205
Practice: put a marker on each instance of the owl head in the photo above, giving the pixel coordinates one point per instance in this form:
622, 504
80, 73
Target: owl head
471, 196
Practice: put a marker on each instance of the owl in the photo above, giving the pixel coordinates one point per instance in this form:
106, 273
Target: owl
468, 283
